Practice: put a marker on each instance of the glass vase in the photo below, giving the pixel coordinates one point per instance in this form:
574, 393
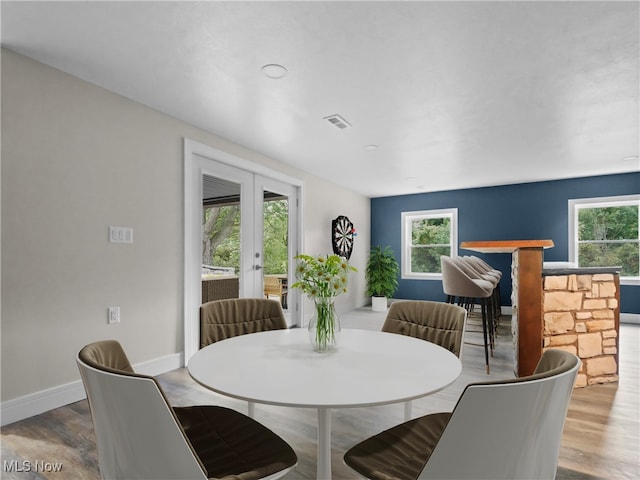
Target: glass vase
324, 326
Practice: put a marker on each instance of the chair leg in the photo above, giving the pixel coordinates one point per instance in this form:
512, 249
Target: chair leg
468, 304
495, 300
491, 332
485, 328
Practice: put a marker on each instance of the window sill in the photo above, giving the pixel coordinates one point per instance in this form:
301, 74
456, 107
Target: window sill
421, 276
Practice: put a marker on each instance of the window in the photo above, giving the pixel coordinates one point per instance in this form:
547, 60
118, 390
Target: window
603, 232
426, 236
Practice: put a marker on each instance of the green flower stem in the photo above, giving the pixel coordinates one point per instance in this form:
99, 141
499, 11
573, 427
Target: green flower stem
322, 278
325, 327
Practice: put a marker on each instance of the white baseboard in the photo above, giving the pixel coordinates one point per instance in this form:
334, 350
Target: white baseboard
40, 402
632, 318
160, 365
45, 400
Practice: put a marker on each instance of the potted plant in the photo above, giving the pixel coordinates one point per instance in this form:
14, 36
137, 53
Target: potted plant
382, 277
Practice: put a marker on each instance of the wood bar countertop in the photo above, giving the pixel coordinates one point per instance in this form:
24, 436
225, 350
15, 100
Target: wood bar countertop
504, 246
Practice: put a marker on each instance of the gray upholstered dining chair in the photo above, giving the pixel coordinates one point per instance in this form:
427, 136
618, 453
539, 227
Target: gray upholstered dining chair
221, 319
435, 322
508, 429
140, 436
230, 317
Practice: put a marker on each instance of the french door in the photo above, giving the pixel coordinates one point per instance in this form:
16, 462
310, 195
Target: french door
242, 223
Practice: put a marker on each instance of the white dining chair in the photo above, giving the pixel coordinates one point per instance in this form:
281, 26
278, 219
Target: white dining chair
501, 430
140, 436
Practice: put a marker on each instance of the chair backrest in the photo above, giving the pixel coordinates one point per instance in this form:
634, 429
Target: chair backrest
228, 318
508, 429
137, 434
483, 267
439, 323
457, 283
472, 270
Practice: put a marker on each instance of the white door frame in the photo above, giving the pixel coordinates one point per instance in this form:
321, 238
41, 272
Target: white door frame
198, 161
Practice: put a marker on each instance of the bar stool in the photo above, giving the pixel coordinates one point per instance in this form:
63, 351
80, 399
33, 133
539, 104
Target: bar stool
472, 270
483, 267
457, 284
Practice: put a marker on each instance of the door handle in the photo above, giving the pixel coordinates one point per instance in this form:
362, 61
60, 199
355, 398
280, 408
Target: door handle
257, 267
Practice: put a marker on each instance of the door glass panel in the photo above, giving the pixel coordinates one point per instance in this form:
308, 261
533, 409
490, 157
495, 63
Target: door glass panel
275, 246
220, 238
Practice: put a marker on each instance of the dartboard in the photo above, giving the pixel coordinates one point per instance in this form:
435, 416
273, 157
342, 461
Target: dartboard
342, 236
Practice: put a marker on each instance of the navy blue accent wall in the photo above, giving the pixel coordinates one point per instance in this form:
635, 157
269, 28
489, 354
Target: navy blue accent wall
527, 211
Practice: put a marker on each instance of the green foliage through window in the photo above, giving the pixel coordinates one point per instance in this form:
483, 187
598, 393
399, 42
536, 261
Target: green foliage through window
276, 236
221, 236
427, 236
608, 236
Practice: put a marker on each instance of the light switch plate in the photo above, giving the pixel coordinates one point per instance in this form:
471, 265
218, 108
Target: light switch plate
120, 235
114, 315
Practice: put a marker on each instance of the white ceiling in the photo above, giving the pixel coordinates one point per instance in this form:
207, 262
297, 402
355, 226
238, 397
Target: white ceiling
454, 94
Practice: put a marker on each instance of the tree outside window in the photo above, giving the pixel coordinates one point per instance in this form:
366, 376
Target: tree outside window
605, 234
276, 237
426, 236
221, 236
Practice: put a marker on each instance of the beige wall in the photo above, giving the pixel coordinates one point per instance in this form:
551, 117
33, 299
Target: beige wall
76, 159
322, 203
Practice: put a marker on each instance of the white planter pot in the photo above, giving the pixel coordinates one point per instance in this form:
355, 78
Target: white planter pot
379, 304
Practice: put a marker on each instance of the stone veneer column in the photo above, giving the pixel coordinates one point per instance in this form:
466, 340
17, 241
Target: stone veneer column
582, 316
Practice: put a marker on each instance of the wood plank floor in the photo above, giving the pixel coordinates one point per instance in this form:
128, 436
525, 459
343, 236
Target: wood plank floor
601, 438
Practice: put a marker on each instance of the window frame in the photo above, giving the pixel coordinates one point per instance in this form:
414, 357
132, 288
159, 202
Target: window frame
575, 205
405, 254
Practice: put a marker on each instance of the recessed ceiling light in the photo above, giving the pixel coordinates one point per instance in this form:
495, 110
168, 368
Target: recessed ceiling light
273, 70
371, 148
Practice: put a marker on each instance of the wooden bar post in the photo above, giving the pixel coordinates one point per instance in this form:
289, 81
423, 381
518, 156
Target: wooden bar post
530, 321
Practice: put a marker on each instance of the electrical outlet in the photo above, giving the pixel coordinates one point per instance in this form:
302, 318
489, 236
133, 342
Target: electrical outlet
114, 315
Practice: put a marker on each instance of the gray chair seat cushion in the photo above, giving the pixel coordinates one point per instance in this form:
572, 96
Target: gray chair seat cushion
401, 452
228, 442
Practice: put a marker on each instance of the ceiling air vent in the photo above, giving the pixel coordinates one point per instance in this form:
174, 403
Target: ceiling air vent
338, 121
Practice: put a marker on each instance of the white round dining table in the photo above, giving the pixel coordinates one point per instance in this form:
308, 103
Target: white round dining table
367, 368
